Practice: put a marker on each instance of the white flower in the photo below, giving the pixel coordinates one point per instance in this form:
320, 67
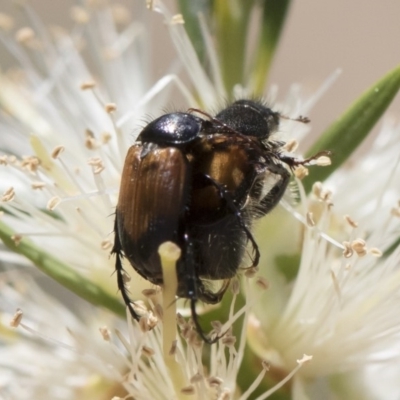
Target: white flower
69, 114
50, 352
342, 306
65, 137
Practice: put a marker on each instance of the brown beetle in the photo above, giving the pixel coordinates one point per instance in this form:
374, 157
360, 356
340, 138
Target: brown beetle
200, 183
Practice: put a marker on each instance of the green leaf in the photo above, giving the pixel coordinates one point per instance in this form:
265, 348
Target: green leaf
231, 26
190, 11
229, 21
61, 272
349, 130
273, 20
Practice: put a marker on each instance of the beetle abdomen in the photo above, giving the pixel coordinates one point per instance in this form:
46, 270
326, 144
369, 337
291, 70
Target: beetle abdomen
151, 206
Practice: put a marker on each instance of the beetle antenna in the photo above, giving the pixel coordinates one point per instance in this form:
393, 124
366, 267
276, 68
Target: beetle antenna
300, 118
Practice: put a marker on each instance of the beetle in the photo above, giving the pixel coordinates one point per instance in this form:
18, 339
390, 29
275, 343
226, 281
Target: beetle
200, 183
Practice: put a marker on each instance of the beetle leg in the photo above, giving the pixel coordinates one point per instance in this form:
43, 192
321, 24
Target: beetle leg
294, 162
119, 269
274, 196
195, 290
226, 196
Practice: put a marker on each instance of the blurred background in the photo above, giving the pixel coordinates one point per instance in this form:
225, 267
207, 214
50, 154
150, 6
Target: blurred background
361, 37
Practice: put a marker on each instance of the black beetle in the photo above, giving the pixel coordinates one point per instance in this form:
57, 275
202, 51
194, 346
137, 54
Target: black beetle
199, 182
